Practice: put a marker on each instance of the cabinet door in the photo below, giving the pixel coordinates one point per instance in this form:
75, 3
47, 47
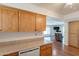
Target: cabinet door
46, 50
26, 21
9, 20
0, 19
40, 22
43, 51
43, 23
49, 50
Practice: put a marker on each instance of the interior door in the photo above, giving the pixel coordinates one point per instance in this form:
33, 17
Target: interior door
9, 20
73, 33
26, 21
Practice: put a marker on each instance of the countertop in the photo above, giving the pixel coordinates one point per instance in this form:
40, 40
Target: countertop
21, 44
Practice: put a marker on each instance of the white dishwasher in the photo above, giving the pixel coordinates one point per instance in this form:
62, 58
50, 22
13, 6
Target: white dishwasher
30, 52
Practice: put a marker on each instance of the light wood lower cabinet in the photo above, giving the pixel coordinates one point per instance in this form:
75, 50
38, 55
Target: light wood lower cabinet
74, 33
12, 54
46, 50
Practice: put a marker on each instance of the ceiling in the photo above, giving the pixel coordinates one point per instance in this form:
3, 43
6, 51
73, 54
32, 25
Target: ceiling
61, 8
53, 21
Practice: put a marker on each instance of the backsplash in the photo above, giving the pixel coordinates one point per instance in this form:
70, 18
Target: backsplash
11, 35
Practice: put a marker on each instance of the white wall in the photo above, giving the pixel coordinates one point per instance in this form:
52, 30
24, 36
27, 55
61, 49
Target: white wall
66, 33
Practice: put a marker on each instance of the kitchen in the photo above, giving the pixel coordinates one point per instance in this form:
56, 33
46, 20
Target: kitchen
17, 37
22, 27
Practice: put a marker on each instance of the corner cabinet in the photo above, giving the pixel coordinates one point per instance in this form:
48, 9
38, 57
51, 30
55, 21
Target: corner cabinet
40, 22
26, 21
9, 20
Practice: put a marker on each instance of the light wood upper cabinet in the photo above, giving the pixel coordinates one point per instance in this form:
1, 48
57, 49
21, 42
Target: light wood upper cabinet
15, 20
26, 21
43, 23
0, 19
40, 22
9, 20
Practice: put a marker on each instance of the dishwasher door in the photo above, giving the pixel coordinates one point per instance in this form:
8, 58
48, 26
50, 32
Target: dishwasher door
30, 52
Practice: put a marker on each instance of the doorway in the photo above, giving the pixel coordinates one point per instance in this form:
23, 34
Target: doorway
50, 32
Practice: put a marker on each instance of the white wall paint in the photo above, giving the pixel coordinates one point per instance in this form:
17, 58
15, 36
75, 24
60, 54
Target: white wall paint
66, 33
33, 8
